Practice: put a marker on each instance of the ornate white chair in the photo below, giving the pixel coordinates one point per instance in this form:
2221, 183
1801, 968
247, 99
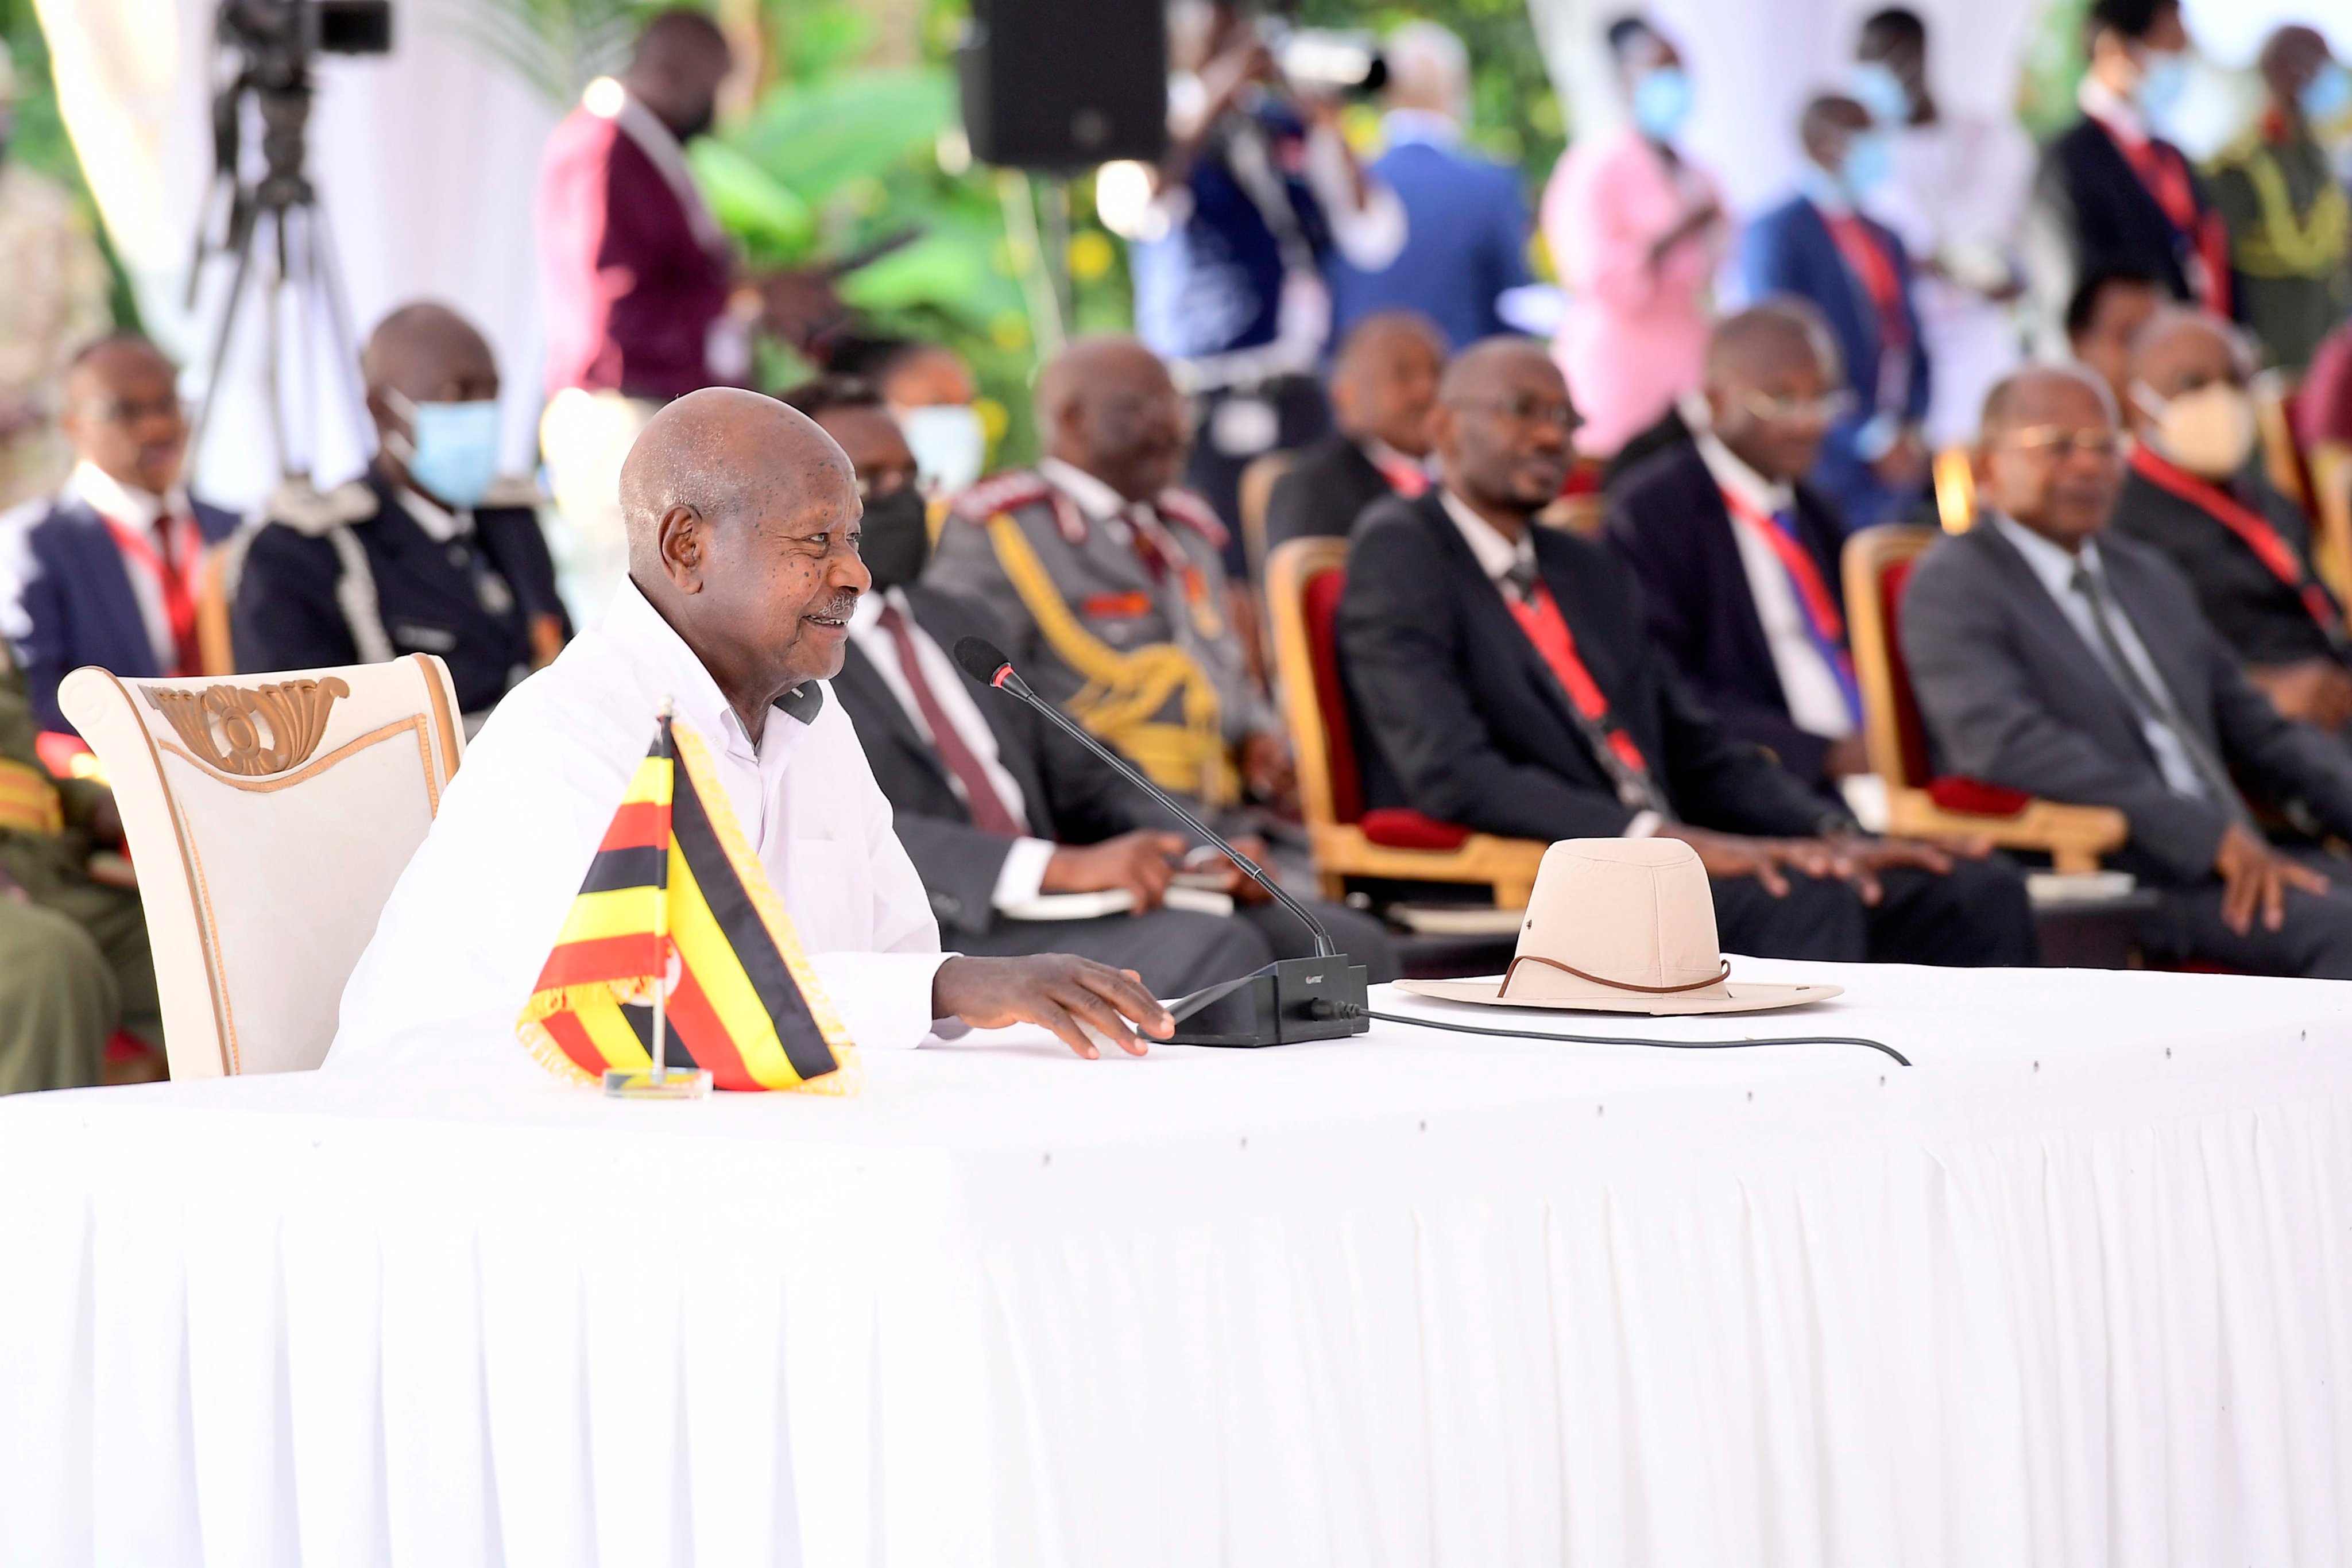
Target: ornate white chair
269, 817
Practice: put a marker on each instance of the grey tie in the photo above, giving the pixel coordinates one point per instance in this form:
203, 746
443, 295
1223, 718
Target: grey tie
2154, 705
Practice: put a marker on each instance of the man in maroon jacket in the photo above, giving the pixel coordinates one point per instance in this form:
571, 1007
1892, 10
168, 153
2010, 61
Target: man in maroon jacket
639, 282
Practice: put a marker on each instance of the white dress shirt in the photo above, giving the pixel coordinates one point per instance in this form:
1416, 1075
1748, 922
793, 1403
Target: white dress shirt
2055, 568
470, 927
1499, 557
1022, 874
1817, 702
138, 510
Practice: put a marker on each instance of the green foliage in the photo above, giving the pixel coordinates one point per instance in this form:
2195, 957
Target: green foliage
557, 47
2052, 66
40, 143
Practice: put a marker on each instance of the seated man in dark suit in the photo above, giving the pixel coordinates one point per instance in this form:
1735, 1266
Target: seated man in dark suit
1738, 557
1382, 385
993, 805
2053, 657
1504, 681
2196, 492
107, 573
430, 553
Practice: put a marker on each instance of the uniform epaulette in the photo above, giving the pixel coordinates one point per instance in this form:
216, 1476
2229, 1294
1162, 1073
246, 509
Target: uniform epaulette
511, 490
303, 508
1022, 488
1185, 508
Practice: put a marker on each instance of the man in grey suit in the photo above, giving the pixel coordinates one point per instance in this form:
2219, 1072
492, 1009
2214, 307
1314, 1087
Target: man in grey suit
994, 806
2053, 657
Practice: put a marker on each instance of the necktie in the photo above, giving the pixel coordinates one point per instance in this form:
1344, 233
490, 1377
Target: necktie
988, 812
169, 557
1533, 607
1824, 627
2152, 703
1407, 479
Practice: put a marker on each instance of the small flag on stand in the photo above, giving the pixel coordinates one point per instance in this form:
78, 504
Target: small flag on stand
678, 957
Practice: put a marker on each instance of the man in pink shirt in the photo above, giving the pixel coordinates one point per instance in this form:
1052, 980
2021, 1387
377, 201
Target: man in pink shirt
1636, 230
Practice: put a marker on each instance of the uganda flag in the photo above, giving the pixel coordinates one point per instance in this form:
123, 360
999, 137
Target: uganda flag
675, 889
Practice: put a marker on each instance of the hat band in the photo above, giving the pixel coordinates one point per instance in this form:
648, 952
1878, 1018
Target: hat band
1511, 973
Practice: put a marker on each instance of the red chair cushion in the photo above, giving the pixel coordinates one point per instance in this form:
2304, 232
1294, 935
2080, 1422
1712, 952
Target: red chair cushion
1318, 604
1908, 726
1975, 797
1396, 829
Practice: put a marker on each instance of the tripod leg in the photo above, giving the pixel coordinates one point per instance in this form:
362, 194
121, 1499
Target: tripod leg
217, 366
327, 271
273, 305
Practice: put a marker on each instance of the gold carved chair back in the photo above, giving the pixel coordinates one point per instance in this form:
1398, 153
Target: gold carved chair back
269, 817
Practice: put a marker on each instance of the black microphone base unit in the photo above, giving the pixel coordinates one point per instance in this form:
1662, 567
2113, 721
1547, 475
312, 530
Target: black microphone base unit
1289, 1001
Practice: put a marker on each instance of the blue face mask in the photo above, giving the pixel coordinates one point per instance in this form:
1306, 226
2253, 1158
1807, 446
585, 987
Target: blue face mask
1662, 102
1874, 84
2162, 82
1869, 162
455, 454
2326, 96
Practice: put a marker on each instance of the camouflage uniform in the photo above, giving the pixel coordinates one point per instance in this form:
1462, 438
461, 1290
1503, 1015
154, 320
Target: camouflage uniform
74, 965
53, 300
1121, 618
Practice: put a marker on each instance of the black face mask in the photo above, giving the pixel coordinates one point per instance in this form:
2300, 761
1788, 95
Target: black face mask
700, 125
898, 542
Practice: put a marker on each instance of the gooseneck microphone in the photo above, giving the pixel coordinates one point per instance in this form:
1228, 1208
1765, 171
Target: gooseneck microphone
1289, 999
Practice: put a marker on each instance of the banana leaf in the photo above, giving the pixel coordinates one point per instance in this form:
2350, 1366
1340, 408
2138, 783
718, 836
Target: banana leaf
815, 138
776, 226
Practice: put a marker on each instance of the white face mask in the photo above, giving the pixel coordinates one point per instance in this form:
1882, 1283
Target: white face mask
949, 444
2209, 431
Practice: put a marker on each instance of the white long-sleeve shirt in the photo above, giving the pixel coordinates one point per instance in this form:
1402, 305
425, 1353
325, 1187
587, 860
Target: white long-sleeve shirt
468, 929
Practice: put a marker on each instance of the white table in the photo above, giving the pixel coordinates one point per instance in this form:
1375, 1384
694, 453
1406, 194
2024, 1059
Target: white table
2077, 1289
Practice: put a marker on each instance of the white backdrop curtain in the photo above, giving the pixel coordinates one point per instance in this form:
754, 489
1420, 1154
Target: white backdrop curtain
425, 160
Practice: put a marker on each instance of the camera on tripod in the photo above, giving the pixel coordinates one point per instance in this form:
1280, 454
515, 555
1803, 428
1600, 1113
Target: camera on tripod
288, 32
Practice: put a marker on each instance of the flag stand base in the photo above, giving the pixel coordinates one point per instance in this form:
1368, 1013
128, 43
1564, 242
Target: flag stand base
678, 1083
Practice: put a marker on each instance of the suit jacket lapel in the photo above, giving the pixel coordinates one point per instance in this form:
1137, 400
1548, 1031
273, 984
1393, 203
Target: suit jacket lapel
101, 566
946, 621
860, 681
2055, 628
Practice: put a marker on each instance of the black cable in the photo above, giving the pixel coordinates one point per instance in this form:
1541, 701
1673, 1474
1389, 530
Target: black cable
1629, 1040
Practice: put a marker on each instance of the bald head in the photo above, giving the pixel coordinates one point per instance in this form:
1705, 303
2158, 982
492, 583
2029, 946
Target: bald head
2048, 455
1503, 428
743, 520
681, 57
1384, 381
2180, 351
1105, 404
1774, 384
122, 413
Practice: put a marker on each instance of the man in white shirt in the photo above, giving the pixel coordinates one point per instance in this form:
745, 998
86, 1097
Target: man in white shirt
744, 576
1958, 197
107, 572
2052, 656
1738, 557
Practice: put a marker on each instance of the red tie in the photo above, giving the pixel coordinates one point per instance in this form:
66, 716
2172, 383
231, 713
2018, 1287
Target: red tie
1874, 266
171, 560
2255, 530
1538, 616
988, 812
1407, 479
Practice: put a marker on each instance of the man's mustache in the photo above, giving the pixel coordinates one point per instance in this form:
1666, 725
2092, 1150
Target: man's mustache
841, 606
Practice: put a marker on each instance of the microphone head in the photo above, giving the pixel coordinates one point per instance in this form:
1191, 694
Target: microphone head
981, 659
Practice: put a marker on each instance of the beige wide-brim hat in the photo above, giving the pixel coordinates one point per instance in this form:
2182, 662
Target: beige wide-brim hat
1622, 925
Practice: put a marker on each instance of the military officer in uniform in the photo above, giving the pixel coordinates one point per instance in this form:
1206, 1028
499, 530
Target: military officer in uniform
74, 964
1112, 581
430, 553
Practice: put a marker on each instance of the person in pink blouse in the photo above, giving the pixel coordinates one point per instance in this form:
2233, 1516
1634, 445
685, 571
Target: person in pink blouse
1636, 230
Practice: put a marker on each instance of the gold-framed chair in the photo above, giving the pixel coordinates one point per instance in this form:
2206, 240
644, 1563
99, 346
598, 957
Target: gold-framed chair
2283, 456
1258, 480
1302, 590
269, 817
1877, 568
1954, 476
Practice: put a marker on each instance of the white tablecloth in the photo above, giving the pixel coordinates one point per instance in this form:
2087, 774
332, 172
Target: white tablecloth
2077, 1289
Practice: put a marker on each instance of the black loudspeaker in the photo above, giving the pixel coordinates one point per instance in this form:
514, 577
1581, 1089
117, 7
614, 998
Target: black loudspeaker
1065, 84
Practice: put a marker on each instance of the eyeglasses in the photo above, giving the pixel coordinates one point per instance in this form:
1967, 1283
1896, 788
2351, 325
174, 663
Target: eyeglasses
1827, 409
2062, 443
1526, 409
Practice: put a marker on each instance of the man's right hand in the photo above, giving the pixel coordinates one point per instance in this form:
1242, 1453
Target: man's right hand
1053, 991
1140, 862
1730, 854
2255, 880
